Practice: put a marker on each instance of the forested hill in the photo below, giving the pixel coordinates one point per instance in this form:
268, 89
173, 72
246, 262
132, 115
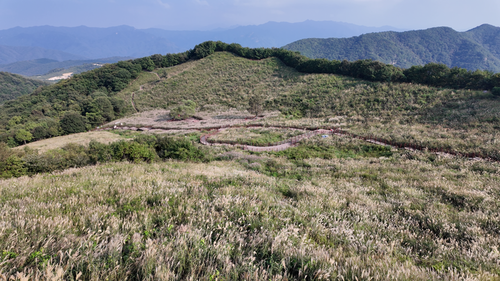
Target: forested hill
478, 48
92, 98
13, 86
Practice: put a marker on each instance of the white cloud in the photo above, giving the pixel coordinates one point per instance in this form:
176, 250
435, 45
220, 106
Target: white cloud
164, 5
202, 2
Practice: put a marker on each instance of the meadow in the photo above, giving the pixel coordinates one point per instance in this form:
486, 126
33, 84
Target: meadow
345, 214
150, 207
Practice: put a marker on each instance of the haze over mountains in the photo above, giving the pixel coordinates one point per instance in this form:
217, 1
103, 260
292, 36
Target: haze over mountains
91, 43
478, 48
11, 54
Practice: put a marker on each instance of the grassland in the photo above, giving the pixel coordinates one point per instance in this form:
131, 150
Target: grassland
80, 139
462, 120
410, 216
333, 208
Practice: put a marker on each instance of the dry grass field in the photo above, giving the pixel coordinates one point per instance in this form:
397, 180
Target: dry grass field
333, 208
80, 138
409, 216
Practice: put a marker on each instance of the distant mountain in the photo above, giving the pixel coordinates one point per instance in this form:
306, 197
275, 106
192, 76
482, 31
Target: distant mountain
13, 86
271, 34
43, 66
478, 48
126, 41
9, 54
88, 42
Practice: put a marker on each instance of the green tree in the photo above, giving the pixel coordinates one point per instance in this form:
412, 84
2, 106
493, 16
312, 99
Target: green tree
23, 136
72, 123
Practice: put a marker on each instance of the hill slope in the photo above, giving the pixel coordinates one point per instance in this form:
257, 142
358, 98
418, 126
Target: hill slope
333, 207
13, 86
211, 77
474, 49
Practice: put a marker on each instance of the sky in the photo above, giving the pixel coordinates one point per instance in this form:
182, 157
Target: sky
461, 15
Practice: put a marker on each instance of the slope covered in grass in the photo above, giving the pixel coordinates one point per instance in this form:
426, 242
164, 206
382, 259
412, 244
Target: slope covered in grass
91, 98
224, 79
253, 217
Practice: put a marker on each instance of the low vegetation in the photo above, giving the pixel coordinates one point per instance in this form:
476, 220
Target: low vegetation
341, 213
334, 207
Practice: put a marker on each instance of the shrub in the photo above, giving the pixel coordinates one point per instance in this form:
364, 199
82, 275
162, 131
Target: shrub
72, 123
496, 91
71, 155
183, 111
255, 105
12, 167
178, 149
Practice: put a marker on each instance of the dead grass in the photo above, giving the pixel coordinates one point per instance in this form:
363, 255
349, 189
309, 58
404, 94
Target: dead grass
398, 218
80, 138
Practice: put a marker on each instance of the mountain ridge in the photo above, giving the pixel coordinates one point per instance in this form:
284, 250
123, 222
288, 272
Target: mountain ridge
127, 41
472, 49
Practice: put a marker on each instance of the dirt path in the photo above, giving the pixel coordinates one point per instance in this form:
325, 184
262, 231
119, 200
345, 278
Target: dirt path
293, 141
132, 101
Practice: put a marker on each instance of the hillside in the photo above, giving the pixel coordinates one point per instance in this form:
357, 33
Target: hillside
474, 49
13, 86
110, 92
159, 203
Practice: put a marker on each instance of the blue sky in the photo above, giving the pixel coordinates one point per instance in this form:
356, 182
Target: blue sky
209, 14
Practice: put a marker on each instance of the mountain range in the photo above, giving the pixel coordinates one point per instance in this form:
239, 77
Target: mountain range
38, 67
478, 48
90, 43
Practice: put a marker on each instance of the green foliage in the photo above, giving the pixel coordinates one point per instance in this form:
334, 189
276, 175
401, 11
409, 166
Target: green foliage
178, 149
13, 86
496, 91
204, 49
10, 163
72, 123
23, 136
186, 110
442, 45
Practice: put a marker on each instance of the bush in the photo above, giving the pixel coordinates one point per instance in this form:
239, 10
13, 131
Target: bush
496, 91
185, 110
70, 156
12, 167
178, 149
132, 151
72, 123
